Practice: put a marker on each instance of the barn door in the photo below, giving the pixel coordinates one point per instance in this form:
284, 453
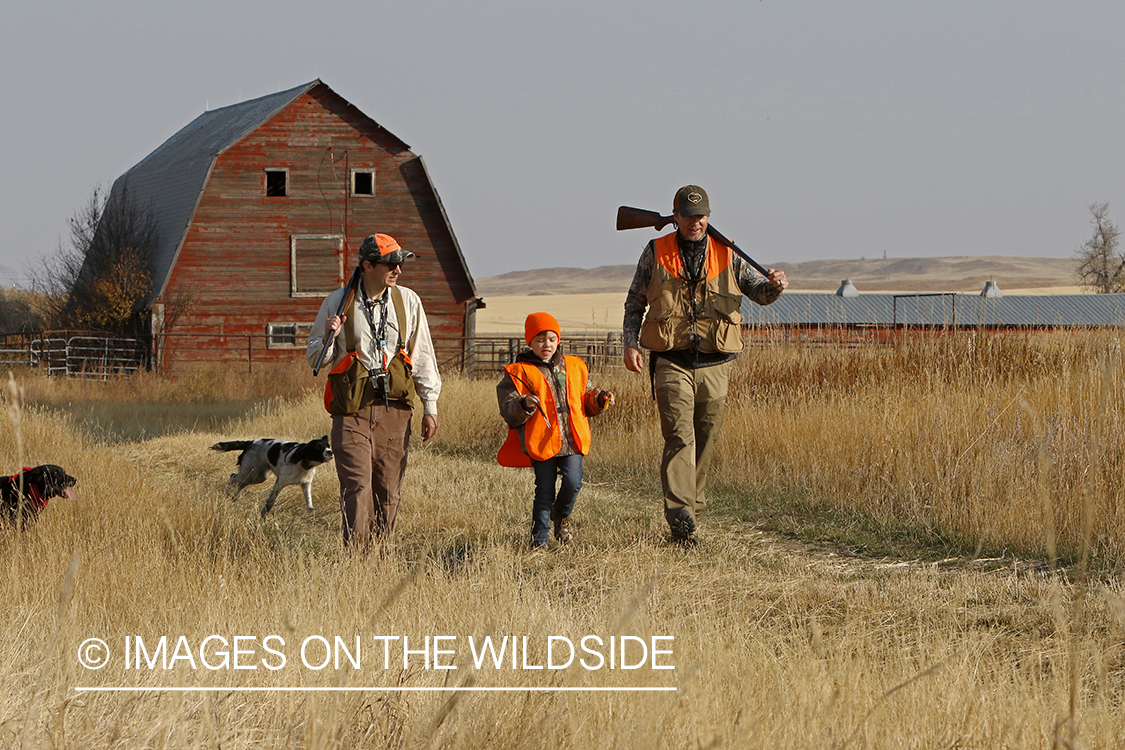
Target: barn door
316, 264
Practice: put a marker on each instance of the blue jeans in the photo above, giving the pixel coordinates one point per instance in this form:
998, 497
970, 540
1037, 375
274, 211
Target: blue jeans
548, 504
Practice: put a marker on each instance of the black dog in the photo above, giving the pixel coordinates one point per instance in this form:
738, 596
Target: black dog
39, 486
293, 463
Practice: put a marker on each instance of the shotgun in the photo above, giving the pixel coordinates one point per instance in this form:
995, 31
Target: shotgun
349, 292
636, 218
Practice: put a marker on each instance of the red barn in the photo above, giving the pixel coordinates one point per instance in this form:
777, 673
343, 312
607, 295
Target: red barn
260, 209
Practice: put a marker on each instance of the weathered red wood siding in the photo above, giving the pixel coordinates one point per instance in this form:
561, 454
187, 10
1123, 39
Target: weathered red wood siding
235, 260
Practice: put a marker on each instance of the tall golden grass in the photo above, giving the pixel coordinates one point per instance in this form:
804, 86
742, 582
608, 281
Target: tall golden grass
1004, 448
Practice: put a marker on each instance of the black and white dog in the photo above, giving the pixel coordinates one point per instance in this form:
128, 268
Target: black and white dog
39, 485
292, 463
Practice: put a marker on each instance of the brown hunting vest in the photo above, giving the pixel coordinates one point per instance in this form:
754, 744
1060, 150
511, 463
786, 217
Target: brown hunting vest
679, 312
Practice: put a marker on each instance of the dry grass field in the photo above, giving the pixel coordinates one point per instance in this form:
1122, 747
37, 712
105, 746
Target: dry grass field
576, 313
596, 313
909, 546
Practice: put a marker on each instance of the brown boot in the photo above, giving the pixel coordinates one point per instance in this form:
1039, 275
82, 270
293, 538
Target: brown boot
682, 526
564, 530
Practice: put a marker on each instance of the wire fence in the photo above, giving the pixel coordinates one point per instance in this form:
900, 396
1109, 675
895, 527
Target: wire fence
91, 355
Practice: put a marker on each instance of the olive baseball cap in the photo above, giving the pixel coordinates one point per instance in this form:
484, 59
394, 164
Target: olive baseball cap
691, 200
382, 248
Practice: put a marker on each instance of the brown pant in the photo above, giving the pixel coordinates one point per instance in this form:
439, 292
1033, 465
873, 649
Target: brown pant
691, 405
370, 452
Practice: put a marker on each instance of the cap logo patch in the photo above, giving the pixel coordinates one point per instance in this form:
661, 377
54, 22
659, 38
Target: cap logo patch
694, 197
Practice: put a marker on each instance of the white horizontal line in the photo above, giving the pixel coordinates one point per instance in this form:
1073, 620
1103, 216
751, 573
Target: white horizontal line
373, 689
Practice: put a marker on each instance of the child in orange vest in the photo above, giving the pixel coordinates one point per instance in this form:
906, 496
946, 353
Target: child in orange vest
545, 398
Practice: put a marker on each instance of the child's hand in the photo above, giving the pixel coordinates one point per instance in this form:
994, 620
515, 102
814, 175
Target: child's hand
530, 403
605, 399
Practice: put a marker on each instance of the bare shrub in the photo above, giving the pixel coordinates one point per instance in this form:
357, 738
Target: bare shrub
101, 278
1101, 266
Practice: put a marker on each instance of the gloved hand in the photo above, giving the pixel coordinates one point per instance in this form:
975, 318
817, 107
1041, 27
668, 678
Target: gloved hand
605, 399
530, 403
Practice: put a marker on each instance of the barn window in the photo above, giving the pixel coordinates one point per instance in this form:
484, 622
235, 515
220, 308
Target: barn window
277, 183
363, 182
316, 264
288, 335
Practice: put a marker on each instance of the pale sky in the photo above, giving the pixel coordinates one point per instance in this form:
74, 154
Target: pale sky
821, 129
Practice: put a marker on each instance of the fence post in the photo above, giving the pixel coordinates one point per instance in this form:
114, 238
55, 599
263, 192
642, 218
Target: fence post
249, 354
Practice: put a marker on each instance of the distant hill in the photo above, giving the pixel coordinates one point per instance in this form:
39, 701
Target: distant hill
558, 281
876, 275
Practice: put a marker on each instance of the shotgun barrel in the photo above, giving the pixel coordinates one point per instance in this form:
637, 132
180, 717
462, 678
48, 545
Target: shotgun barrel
349, 292
724, 241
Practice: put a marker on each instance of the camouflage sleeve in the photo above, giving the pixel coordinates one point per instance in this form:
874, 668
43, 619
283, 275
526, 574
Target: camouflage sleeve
636, 299
511, 402
753, 284
590, 403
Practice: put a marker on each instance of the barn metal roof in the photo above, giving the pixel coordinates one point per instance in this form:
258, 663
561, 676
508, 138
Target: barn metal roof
830, 310
168, 182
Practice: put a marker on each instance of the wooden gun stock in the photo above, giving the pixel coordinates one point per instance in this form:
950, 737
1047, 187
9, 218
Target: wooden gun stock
353, 282
638, 218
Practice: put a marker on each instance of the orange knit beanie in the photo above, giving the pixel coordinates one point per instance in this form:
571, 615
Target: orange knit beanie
538, 322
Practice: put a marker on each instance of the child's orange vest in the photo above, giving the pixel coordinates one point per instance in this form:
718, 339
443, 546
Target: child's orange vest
541, 436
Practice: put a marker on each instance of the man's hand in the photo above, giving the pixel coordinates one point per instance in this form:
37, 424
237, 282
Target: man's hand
429, 426
633, 360
777, 278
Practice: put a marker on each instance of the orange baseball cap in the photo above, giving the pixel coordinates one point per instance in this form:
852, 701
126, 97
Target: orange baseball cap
382, 248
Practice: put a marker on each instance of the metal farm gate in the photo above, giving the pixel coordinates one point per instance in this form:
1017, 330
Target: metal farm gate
76, 355
92, 356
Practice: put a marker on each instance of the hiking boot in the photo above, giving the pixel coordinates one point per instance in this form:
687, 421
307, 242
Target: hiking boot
682, 526
564, 530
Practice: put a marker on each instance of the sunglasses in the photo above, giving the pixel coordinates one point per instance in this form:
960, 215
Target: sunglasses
391, 266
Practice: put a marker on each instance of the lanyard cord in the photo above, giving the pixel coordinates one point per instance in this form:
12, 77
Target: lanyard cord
696, 280
380, 331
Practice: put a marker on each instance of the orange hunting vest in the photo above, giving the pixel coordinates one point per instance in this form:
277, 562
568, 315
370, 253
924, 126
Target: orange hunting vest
669, 323
540, 434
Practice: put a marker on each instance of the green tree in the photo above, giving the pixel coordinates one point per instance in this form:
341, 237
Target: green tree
99, 281
1101, 266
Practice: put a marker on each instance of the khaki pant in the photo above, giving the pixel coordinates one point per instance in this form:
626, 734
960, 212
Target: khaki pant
691, 405
370, 453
